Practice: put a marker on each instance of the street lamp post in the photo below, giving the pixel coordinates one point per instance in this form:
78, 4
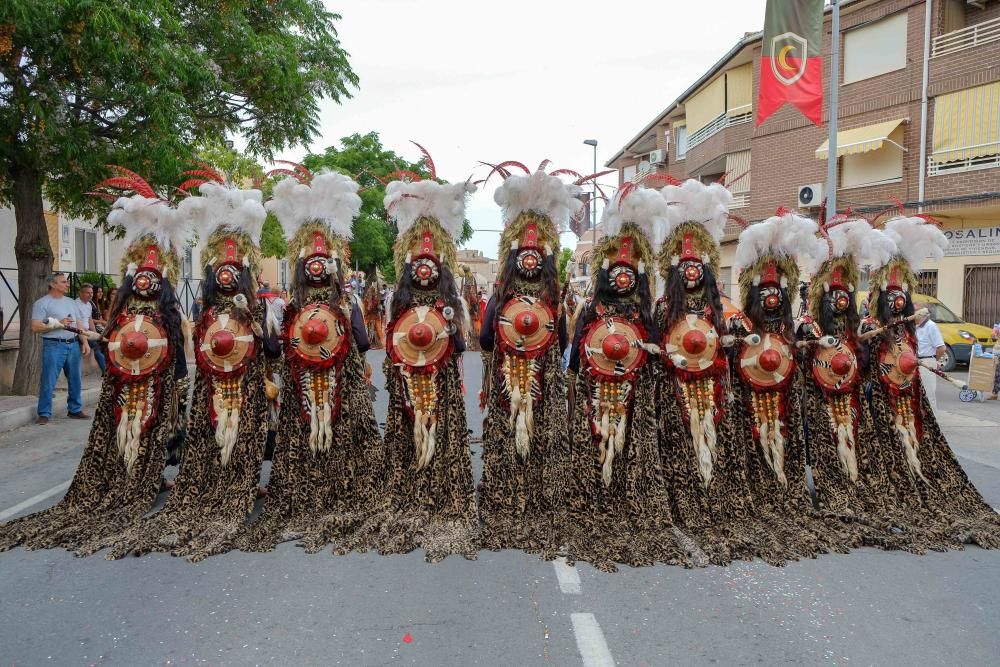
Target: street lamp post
593, 198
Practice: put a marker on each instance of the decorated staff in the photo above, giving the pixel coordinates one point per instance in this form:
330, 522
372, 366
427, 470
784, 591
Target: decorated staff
227, 428
617, 508
942, 507
430, 500
523, 338
327, 447
137, 414
766, 387
704, 454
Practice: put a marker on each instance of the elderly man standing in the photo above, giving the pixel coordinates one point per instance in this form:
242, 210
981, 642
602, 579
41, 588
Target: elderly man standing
930, 349
60, 351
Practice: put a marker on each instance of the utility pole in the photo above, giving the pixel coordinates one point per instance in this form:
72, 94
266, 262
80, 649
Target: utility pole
831, 158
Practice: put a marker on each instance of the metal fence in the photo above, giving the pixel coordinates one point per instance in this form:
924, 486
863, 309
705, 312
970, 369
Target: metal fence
10, 305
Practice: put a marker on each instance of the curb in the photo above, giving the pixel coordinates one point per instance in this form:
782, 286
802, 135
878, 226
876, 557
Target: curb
25, 414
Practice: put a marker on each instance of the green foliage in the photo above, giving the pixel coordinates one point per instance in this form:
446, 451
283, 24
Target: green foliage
242, 169
92, 277
564, 257
85, 83
272, 239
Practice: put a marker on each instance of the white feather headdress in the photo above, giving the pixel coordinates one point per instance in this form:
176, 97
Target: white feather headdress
916, 240
408, 202
788, 235
540, 193
693, 201
146, 216
643, 207
221, 207
329, 198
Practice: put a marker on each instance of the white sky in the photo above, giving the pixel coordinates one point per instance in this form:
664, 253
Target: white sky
521, 80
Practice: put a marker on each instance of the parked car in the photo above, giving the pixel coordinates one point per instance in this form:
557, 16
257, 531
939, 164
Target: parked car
959, 335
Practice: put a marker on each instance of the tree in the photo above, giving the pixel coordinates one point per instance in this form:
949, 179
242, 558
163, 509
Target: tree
85, 83
564, 257
363, 157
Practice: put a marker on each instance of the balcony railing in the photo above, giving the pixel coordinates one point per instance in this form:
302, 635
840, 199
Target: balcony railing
717, 125
966, 38
935, 168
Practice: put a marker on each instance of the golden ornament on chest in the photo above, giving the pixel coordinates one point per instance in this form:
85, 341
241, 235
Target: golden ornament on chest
692, 343
137, 347
226, 346
768, 364
420, 338
318, 336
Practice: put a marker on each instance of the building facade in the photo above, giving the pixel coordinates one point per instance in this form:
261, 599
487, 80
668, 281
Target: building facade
919, 123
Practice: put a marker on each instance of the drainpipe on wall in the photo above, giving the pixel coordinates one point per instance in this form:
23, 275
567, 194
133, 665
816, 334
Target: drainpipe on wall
928, 15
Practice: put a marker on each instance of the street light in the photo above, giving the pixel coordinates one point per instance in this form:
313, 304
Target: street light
593, 196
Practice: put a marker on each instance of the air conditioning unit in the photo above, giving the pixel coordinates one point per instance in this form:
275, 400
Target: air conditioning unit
658, 156
811, 196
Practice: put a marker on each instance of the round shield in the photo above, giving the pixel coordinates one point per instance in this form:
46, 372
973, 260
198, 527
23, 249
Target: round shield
835, 368
318, 336
694, 340
420, 337
769, 364
898, 362
611, 346
226, 345
137, 346
527, 326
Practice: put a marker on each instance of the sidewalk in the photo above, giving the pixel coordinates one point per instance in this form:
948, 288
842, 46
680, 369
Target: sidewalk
17, 411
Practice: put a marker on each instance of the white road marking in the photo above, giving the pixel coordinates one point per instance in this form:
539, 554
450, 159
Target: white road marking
590, 641
34, 500
569, 578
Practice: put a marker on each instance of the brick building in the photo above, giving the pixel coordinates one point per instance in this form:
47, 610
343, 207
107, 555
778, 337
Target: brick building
945, 161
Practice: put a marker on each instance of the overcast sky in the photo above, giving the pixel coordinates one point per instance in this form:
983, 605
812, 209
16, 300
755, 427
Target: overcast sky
521, 80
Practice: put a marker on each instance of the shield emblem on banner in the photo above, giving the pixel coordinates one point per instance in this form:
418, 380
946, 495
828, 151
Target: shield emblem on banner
789, 53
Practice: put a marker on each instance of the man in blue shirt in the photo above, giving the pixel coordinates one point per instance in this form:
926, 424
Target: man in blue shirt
60, 351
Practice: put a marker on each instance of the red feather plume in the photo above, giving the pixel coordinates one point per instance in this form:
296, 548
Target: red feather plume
428, 160
302, 171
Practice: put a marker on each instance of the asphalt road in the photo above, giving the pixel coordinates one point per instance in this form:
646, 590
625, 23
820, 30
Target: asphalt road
869, 607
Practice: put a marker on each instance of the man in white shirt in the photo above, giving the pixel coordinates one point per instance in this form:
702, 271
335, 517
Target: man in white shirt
930, 350
85, 304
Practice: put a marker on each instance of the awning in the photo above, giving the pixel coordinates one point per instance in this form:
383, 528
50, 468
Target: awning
738, 172
862, 139
967, 124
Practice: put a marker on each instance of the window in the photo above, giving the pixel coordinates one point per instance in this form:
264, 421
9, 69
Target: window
86, 250
283, 273
724, 279
681, 140
883, 165
927, 283
954, 15
875, 48
628, 173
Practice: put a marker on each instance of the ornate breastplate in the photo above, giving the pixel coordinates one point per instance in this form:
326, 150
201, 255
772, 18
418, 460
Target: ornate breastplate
138, 352
692, 345
526, 329
224, 347
612, 356
769, 365
898, 363
835, 367
419, 345
317, 341
694, 352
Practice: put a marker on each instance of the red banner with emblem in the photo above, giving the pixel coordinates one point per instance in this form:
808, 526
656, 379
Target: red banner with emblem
791, 63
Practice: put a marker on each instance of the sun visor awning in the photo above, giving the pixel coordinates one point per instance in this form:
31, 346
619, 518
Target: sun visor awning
862, 139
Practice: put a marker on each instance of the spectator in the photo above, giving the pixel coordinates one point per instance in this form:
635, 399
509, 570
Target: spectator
88, 321
60, 352
108, 305
196, 309
930, 350
278, 306
100, 305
